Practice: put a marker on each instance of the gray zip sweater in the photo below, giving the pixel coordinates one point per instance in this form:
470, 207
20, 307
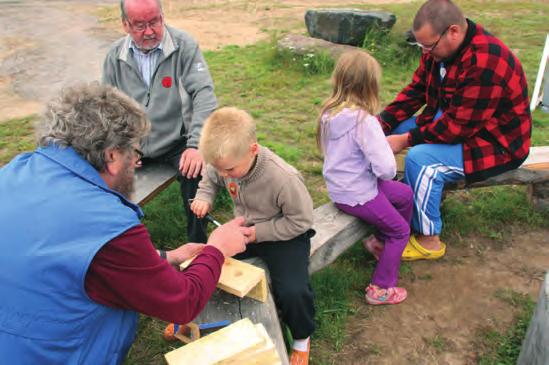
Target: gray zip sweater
272, 196
181, 92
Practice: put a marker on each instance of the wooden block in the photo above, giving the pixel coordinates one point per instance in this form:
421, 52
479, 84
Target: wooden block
241, 279
265, 355
227, 344
223, 306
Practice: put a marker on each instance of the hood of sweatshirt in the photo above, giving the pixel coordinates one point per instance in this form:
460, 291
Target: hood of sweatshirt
342, 122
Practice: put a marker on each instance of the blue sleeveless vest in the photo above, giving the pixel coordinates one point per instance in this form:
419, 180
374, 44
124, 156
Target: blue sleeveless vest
56, 212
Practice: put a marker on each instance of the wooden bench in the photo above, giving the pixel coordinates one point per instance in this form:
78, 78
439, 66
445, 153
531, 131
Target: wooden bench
335, 233
534, 172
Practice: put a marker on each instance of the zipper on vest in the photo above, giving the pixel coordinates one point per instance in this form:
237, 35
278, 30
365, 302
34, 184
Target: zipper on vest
148, 98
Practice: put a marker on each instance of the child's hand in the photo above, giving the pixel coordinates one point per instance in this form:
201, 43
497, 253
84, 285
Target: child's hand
251, 236
200, 208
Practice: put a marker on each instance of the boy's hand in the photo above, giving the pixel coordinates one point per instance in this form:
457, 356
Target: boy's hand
184, 252
200, 208
230, 238
251, 237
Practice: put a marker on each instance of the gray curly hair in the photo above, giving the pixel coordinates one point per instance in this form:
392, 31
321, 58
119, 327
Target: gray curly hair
91, 118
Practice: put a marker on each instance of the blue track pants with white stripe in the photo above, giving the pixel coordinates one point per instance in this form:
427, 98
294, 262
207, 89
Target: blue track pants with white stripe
427, 168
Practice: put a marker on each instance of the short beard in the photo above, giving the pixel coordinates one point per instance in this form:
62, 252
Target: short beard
125, 183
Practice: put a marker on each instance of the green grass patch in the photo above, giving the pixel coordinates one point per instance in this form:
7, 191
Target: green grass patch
489, 212
16, 136
496, 347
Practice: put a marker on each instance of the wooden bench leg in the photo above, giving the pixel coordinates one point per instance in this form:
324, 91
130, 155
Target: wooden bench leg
539, 195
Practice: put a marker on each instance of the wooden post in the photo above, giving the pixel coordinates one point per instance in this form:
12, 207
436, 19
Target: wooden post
535, 348
539, 195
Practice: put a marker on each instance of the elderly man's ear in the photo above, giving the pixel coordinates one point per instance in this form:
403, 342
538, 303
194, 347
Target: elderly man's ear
114, 162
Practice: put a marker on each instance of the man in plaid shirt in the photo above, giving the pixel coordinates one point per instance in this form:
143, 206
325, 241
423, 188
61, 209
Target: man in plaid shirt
476, 122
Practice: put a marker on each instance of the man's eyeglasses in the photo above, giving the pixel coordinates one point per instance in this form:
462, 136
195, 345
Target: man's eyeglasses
432, 48
140, 155
141, 26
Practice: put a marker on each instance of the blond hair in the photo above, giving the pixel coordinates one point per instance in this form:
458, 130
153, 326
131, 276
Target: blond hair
228, 132
356, 81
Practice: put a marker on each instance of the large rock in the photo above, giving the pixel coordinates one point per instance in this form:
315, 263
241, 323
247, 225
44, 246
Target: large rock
302, 45
346, 26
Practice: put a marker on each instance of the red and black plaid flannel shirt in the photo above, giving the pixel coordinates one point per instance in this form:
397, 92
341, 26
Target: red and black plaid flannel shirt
484, 100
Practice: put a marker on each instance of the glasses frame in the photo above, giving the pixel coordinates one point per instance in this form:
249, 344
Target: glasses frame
141, 27
432, 48
140, 156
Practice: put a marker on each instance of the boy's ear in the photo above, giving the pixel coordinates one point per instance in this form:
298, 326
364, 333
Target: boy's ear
254, 148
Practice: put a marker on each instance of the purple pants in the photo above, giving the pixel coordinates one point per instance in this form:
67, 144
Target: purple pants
390, 212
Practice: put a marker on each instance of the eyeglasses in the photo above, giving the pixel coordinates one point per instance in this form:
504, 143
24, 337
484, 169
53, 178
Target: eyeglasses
140, 155
141, 26
432, 48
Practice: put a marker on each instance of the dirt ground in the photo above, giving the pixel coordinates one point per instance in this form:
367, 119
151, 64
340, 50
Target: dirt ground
449, 300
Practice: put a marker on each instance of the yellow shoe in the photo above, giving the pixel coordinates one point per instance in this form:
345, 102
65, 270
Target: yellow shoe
414, 251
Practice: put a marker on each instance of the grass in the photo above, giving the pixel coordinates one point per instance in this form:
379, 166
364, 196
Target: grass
16, 135
283, 93
496, 347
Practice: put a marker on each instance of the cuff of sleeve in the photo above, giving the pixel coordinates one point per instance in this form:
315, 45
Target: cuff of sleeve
386, 127
204, 197
415, 137
262, 232
215, 253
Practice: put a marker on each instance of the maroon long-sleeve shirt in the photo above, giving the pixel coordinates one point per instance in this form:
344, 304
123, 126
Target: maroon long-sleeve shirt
127, 273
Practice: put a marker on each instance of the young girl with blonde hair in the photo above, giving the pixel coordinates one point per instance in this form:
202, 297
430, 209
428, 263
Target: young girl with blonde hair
359, 167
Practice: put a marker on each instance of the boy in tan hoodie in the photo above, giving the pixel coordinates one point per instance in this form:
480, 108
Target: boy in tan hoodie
273, 199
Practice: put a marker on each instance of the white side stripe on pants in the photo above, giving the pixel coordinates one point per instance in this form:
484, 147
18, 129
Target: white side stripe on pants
422, 192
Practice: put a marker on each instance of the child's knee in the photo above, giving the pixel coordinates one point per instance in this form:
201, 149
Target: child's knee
294, 293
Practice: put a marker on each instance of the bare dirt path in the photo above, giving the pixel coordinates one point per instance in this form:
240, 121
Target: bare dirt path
43, 45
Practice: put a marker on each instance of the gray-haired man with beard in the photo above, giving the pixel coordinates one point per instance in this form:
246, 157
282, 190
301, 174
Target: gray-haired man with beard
77, 264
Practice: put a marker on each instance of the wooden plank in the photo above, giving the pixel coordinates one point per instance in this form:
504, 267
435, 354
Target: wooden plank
240, 278
227, 343
335, 233
266, 355
151, 179
225, 306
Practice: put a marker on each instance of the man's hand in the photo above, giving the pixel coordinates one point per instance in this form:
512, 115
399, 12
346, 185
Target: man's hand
230, 238
200, 208
191, 163
184, 252
398, 142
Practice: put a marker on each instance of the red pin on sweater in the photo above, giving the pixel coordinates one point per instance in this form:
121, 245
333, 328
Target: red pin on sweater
167, 82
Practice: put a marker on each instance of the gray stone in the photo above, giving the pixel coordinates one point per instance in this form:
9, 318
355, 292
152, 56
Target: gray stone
346, 26
302, 45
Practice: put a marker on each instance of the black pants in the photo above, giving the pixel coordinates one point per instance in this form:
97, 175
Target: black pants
196, 228
288, 263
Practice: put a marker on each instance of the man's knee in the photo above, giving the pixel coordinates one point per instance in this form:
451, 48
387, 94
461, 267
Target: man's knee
419, 155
